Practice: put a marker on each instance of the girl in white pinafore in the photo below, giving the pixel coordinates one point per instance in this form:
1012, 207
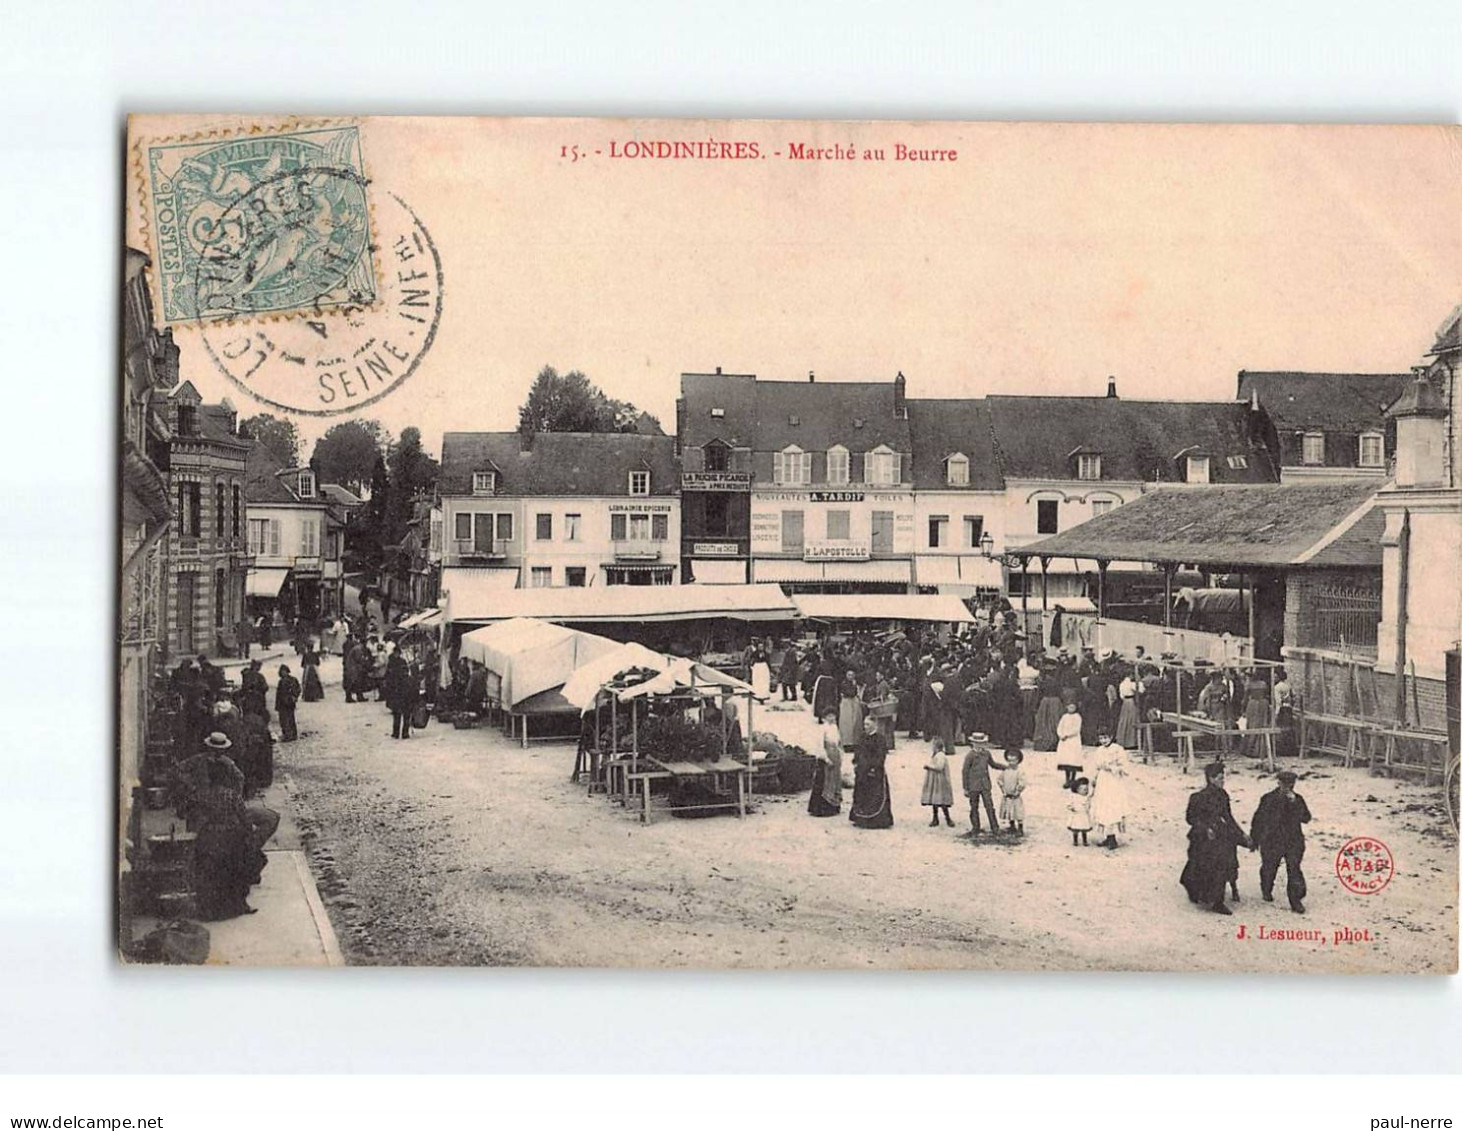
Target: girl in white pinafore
1068, 735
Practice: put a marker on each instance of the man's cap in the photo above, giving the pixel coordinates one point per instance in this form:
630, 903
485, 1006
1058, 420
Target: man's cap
1213, 769
1286, 777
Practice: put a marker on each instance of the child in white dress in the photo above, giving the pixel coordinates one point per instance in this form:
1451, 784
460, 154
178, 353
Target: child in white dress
1012, 792
1068, 735
1078, 811
938, 792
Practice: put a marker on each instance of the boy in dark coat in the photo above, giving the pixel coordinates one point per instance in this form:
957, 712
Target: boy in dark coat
1278, 833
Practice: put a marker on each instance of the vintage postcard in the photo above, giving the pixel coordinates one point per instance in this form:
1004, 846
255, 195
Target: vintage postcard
789, 544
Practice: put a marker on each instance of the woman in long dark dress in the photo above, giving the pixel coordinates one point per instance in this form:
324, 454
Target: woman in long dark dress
314, 691
871, 807
226, 862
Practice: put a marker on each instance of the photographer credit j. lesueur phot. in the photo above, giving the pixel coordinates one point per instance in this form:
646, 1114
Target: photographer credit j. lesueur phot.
789, 545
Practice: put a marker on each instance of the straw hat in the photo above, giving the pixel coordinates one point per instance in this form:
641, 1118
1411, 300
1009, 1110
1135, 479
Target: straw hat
218, 741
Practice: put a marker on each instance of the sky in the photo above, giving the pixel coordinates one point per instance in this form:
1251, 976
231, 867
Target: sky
1041, 260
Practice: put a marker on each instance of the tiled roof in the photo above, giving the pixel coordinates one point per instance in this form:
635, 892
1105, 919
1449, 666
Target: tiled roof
558, 463
731, 395
1340, 402
939, 429
1358, 545
1138, 440
1449, 337
342, 496
856, 414
1268, 525
261, 478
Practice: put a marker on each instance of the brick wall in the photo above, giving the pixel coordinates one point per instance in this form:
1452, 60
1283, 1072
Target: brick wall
1348, 685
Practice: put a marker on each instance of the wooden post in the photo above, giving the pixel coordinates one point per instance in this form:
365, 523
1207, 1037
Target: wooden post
1167, 594
1101, 590
1044, 563
1246, 579
1403, 595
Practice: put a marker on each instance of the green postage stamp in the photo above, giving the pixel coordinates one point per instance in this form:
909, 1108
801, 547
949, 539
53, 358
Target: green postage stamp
260, 224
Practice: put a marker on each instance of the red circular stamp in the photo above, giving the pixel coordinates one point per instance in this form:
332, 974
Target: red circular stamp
1364, 865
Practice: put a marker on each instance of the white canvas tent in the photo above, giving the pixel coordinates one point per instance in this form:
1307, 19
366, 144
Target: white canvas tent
940, 609
530, 656
665, 673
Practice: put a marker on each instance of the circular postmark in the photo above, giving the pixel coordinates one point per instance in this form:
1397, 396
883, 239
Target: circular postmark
1364, 865
326, 360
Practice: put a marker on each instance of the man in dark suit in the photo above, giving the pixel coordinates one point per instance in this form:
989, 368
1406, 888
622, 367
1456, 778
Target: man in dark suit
1278, 833
286, 695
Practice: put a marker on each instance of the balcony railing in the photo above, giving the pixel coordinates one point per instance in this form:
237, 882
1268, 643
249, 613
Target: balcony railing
465, 549
637, 549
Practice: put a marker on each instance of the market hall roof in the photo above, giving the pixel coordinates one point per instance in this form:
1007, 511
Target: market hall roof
1036, 437
1336, 402
1269, 525
558, 463
959, 426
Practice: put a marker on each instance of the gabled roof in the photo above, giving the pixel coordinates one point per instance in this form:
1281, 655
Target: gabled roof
939, 429
1449, 336
1268, 525
264, 481
1338, 402
856, 414
558, 463
340, 496
1036, 438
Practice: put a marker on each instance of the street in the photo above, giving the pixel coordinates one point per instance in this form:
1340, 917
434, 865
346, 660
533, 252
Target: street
458, 847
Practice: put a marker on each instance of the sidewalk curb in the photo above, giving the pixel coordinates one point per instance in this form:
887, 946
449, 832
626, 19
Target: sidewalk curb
333, 956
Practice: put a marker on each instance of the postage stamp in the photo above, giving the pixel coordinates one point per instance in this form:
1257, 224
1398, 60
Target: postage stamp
268, 224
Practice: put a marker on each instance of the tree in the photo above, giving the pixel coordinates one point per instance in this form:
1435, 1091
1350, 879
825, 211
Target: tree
573, 403
278, 437
347, 453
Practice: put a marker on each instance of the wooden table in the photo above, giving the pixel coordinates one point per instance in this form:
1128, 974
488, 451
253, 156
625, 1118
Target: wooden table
1188, 727
1359, 736
677, 771
1431, 742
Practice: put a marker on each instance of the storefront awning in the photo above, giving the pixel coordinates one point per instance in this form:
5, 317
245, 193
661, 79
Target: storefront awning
895, 571
609, 603
785, 569
711, 571
265, 582
423, 619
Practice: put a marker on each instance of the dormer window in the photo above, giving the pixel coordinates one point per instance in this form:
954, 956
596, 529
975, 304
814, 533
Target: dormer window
716, 456
187, 420
837, 465
307, 485
882, 467
794, 420
484, 482
1372, 449
639, 482
1238, 463
1088, 465
718, 413
1197, 469
957, 470
792, 467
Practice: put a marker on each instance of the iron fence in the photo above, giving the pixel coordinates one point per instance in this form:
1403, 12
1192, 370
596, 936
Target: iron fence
1346, 617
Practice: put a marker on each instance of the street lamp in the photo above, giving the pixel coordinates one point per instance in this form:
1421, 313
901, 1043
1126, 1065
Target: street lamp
987, 545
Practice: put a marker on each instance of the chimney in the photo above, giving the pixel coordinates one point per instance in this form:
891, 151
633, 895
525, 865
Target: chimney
1112, 387
718, 371
900, 407
1420, 414
811, 377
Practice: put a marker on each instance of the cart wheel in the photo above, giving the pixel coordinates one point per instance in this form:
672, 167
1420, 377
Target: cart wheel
1450, 785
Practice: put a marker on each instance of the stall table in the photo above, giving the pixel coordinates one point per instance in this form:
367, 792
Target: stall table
1433, 748
677, 771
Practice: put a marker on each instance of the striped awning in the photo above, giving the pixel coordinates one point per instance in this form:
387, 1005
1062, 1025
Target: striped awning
785, 569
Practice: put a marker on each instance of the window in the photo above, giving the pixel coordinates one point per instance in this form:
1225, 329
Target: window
957, 470
435, 544
543, 527
837, 465
462, 527
792, 532
639, 528
573, 577
617, 526
309, 538
718, 514
1088, 466
238, 501
938, 531
571, 524
505, 528
307, 485
882, 542
1102, 506
639, 482
1312, 448
276, 531
882, 467
1238, 463
792, 467
1197, 469
974, 530
716, 456
838, 525
220, 514
660, 527
187, 420
258, 536
1372, 449
484, 482
190, 509
219, 601
541, 577
1046, 516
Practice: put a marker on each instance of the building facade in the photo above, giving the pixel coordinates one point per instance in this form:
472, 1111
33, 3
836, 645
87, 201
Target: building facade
208, 559
149, 370
714, 439
295, 541
559, 509
1326, 425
